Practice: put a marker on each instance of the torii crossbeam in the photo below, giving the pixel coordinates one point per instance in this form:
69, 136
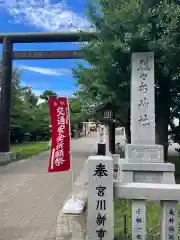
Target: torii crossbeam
8, 39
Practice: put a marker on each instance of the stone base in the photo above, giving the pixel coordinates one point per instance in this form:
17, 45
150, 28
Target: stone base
101, 149
147, 172
117, 161
7, 157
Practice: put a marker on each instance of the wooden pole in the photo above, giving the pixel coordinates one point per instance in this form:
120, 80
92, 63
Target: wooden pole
6, 90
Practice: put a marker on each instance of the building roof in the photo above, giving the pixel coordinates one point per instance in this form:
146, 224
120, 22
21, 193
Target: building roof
104, 106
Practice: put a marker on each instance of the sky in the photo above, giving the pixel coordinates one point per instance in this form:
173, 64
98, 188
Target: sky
45, 16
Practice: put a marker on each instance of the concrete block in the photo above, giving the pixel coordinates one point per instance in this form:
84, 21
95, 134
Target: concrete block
144, 154
149, 191
148, 172
149, 167
7, 157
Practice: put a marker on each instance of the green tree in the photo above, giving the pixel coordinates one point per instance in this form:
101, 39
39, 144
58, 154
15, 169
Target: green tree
41, 121
123, 27
77, 115
31, 112
29, 96
29, 120
18, 113
46, 94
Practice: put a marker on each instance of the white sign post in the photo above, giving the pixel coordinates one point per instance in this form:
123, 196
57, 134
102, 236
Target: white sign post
100, 198
138, 219
169, 220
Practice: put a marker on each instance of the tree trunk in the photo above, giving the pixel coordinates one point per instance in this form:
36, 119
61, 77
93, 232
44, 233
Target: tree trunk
163, 101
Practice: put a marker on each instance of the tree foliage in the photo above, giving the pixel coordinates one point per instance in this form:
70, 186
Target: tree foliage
77, 114
46, 94
123, 27
30, 118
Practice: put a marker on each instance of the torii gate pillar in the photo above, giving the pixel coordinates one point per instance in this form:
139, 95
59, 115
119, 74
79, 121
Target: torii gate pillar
5, 100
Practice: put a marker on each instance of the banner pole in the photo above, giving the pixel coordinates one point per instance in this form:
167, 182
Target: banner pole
71, 163
73, 205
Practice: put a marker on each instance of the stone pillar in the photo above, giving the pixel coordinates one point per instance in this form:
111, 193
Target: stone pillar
145, 159
101, 150
138, 219
169, 220
5, 96
84, 129
112, 134
113, 143
100, 219
107, 139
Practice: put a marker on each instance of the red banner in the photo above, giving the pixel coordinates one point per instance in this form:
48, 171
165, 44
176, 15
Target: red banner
60, 148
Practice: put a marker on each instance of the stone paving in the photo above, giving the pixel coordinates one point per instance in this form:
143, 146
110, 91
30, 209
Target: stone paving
31, 198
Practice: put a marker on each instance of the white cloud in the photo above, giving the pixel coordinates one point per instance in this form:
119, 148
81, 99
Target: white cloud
40, 101
45, 15
65, 92
47, 71
38, 92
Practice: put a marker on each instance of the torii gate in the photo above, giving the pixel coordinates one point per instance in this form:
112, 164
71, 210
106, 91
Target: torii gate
8, 39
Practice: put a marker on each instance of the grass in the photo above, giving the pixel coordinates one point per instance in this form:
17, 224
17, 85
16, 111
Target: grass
27, 150
123, 213
123, 209
123, 220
